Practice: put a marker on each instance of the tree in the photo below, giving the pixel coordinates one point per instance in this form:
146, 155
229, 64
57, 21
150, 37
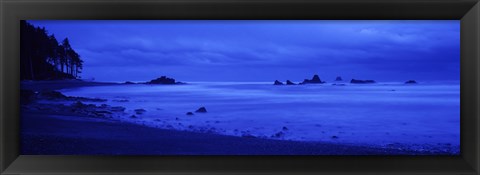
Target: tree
42, 57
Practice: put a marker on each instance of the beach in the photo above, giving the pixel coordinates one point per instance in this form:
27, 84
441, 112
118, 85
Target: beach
50, 126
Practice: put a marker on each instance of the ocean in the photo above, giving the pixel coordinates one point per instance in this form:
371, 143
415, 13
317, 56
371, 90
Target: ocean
381, 114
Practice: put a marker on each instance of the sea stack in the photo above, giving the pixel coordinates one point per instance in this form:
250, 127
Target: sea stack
290, 83
315, 80
277, 83
339, 78
353, 81
162, 80
411, 82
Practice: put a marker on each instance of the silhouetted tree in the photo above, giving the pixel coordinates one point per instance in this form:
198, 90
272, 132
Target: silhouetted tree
42, 57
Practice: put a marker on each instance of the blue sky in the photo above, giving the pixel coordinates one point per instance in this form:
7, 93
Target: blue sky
245, 50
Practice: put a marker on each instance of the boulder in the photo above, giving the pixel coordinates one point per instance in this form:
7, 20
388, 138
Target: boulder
278, 134
411, 82
189, 113
277, 83
315, 80
140, 111
290, 83
362, 81
162, 80
202, 110
339, 78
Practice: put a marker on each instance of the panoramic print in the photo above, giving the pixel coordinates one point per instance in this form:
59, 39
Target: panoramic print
240, 87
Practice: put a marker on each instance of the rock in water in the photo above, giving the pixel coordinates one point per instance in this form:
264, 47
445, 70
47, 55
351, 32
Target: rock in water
277, 83
315, 80
140, 111
278, 134
362, 81
290, 83
411, 82
162, 80
129, 82
202, 109
339, 78
189, 113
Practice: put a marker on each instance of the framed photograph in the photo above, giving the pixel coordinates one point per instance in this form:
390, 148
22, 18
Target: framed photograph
234, 87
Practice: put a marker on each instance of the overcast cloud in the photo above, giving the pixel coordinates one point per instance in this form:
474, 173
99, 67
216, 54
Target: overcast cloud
263, 50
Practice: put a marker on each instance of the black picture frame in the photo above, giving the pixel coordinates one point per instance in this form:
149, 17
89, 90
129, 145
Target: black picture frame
12, 11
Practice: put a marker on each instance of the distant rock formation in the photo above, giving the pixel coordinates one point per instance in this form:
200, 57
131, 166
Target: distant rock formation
202, 110
189, 113
277, 83
411, 82
339, 78
314, 80
162, 80
362, 81
290, 83
341, 84
129, 82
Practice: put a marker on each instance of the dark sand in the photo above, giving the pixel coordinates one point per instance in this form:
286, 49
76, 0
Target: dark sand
70, 135
50, 133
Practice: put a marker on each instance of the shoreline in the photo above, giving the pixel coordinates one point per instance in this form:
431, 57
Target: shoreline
50, 85
111, 137
47, 134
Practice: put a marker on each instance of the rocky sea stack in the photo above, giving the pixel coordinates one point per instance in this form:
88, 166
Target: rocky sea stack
164, 80
315, 80
362, 81
411, 82
277, 82
290, 83
339, 78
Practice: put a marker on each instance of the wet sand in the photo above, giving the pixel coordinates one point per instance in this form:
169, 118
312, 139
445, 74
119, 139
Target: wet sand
50, 134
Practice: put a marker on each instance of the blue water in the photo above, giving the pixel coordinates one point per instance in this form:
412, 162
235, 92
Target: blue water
376, 114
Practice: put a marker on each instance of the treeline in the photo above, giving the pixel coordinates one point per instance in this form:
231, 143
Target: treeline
42, 57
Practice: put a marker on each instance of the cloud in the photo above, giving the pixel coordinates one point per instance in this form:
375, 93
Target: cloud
294, 47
